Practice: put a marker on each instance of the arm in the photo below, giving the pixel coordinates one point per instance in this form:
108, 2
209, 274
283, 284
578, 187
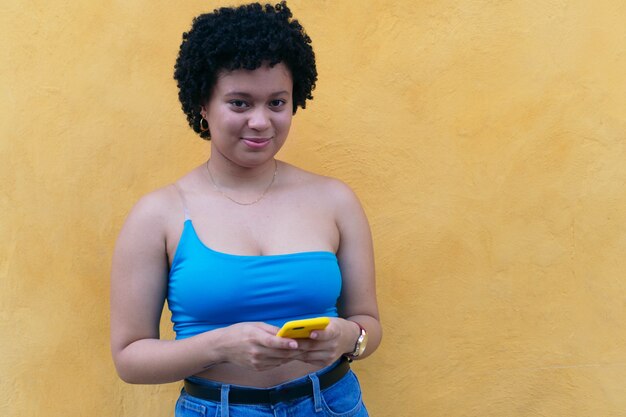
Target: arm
138, 291
357, 302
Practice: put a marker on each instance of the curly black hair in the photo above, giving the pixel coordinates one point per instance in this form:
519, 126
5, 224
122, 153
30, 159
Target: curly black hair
243, 37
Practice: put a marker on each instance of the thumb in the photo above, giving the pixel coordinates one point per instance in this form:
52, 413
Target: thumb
322, 334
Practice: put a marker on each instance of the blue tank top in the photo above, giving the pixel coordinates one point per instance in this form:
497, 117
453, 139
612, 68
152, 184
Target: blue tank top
208, 289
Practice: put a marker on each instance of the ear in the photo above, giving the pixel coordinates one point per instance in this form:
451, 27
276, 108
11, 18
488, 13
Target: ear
203, 111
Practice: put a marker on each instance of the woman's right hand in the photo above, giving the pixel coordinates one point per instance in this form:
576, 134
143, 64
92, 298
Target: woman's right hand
255, 346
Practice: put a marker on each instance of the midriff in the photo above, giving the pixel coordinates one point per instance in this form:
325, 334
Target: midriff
227, 373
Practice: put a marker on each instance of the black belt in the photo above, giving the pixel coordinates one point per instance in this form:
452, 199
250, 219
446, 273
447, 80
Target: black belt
271, 395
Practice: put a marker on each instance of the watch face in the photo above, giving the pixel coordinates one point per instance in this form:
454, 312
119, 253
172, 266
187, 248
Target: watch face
362, 343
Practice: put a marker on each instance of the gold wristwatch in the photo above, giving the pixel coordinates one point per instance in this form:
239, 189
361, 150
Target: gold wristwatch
360, 345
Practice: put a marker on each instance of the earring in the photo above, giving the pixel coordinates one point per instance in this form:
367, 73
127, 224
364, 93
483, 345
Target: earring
204, 124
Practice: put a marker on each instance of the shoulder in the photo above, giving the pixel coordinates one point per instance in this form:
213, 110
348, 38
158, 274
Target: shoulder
327, 188
167, 203
157, 205
153, 213
325, 192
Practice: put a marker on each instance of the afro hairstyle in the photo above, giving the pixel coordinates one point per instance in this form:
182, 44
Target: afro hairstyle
243, 37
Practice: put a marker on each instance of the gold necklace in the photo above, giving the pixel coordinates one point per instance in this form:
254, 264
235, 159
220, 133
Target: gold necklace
232, 199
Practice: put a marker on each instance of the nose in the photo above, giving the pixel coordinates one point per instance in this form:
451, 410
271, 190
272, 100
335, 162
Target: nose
259, 120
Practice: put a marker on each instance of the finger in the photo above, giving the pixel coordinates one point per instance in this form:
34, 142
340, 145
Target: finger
268, 328
260, 357
322, 335
269, 338
309, 345
332, 331
276, 342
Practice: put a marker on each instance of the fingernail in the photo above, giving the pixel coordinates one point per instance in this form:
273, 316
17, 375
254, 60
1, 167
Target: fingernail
293, 345
313, 336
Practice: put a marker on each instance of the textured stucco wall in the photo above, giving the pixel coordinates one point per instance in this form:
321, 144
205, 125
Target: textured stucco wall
485, 138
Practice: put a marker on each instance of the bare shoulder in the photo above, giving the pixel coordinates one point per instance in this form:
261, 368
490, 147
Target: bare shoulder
156, 207
326, 190
160, 213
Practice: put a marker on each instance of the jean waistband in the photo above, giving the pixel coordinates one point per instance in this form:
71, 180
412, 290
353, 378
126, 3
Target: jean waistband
281, 393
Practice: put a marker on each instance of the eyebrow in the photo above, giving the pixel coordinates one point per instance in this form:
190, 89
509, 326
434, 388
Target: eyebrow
244, 94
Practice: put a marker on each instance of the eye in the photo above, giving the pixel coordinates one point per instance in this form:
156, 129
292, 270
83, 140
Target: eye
238, 104
277, 103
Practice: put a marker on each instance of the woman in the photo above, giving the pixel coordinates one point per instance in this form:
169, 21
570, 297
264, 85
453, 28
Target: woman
244, 243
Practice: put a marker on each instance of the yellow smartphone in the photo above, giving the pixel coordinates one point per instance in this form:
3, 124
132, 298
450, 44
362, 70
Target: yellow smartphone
301, 329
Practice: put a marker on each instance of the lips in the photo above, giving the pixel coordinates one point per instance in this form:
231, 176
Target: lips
256, 143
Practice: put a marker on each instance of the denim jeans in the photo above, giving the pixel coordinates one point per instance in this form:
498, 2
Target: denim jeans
342, 399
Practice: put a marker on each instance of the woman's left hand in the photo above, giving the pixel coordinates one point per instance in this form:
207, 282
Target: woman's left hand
324, 347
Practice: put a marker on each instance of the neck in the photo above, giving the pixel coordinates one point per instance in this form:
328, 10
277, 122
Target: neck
242, 185
232, 175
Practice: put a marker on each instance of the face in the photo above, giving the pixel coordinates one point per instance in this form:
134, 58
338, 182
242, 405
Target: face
249, 114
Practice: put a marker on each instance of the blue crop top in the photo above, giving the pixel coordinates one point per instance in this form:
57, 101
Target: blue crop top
208, 289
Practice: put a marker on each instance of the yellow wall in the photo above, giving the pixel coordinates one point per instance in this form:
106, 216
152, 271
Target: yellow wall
485, 138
